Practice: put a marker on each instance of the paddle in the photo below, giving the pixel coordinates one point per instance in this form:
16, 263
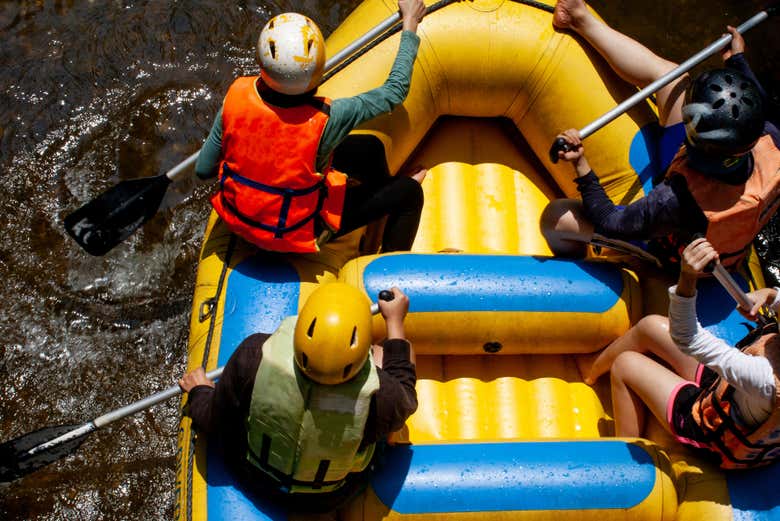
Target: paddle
30, 452
561, 145
114, 215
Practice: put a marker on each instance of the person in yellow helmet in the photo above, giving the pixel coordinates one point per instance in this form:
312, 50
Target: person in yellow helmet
317, 372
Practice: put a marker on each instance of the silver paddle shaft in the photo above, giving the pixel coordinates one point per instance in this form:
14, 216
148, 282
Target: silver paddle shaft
175, 172
672, 75
731, 286
129, 410
117, 414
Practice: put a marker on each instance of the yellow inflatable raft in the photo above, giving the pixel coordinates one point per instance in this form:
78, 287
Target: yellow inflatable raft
505, 428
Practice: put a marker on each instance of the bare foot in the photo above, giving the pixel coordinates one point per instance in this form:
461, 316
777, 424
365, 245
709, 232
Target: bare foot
585, 365
417, 173
569, 14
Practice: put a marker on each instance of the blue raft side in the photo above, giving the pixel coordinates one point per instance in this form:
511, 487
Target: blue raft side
718, 313
260, 293
754, 494
441, 283
521, 476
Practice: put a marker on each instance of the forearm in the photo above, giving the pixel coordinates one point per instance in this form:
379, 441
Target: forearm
396, 399
751, 374
348, 113
200, 406
207, 165
627, 223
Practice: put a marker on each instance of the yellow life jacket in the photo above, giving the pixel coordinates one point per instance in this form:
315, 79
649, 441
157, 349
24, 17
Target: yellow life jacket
307, 436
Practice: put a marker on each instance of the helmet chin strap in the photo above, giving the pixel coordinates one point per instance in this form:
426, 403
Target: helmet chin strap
717, 166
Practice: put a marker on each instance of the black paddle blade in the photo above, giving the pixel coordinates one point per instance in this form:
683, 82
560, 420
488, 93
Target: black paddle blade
115, 214
15, 462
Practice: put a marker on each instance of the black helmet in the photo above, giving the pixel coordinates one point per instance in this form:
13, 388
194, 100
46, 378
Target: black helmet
723, 113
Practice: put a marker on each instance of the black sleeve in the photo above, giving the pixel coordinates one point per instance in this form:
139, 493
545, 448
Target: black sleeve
396, 398
654, 215
739, 63
226, 405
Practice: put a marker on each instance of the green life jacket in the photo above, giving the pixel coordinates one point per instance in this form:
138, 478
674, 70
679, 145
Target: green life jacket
303, 434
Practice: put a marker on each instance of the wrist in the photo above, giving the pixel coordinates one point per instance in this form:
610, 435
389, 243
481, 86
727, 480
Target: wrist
395, 327
686, 284
410, 24
582, 167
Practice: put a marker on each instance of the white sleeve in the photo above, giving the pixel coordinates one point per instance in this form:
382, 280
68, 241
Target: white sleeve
751, 374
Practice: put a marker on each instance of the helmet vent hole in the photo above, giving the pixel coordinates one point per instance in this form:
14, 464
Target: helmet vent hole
716, 88
271, 24
308, 47
735, 111
729, 78
353, 342
310, 331
304, 360
747, 101
272, 46
347, 369
718, 104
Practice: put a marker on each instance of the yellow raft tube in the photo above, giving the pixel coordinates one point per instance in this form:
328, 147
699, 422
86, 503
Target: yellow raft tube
505, 429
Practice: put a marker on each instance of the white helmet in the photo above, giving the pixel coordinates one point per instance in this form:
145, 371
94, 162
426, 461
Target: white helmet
291, 53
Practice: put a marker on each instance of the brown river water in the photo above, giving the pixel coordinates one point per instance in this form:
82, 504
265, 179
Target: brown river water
92, 92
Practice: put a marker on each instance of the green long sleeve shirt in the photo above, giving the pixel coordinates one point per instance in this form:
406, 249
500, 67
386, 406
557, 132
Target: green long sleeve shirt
345, 113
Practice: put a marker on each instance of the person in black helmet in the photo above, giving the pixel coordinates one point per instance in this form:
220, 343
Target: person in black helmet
722, 182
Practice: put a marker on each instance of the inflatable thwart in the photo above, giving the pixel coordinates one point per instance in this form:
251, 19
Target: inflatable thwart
505, 428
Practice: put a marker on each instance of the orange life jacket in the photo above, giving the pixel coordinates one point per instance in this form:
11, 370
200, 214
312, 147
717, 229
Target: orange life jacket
735, 213
738, 446
270, 192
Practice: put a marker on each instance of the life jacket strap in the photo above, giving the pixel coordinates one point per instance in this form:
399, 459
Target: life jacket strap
284, 479
287, 195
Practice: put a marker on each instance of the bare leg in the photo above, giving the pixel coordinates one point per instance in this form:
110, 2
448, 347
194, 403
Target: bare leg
566, 228
631, 60
638, 381
649, 335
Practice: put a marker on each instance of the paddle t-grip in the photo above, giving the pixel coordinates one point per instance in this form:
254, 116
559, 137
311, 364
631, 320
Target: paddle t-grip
385, 295
559, 145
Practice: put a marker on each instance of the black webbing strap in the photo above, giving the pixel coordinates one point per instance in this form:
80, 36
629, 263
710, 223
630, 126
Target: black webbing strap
287, 195
284, 480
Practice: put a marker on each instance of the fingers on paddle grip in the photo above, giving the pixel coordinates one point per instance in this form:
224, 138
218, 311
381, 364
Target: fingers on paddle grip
711, 265
559, 145
386, 295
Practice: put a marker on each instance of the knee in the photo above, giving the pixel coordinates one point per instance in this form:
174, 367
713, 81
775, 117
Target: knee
650, 326
413, 195
626, 364
565, 227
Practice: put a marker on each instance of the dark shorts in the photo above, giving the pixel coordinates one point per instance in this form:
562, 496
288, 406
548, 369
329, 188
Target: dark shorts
678, 413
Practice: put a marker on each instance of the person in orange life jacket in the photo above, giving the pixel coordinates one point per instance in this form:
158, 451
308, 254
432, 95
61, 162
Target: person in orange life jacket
272, 142
708, 394
283, 382
729, 150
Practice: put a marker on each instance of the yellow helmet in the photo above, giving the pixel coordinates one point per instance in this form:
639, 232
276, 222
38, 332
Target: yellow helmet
333, 333
291, 53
